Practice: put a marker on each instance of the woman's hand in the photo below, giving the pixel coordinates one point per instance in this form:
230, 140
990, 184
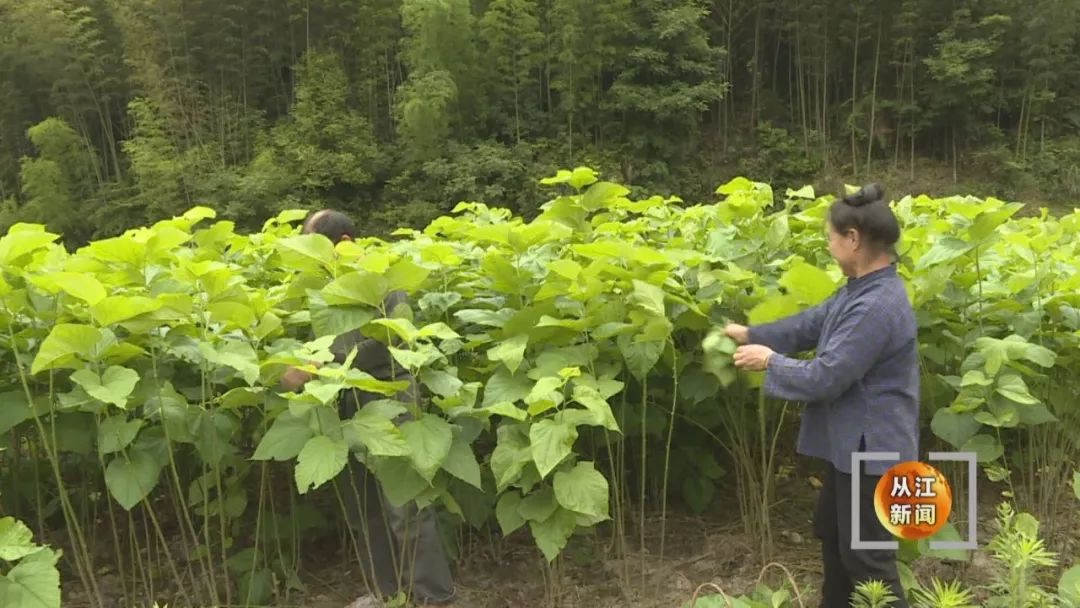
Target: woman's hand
752, 357
295, 378
739, 333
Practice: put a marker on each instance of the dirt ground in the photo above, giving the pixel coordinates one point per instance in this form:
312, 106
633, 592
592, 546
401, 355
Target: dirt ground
706, 552
698, 551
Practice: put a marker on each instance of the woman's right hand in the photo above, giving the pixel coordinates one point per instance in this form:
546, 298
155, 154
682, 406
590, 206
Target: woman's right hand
739, 333
294, 379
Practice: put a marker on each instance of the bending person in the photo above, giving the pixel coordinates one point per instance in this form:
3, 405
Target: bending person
390, 531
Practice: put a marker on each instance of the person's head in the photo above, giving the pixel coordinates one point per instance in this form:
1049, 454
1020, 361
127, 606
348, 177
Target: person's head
862, 231
334, 225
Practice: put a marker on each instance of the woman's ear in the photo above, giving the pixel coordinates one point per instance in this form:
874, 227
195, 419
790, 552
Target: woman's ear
856, 240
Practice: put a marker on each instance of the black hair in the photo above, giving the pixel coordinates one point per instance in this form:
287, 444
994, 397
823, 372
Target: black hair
332, 224
869, 213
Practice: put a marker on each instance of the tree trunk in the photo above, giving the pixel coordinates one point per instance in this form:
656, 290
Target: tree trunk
517, 104
854, 93
873, 102
756, 63
825, 98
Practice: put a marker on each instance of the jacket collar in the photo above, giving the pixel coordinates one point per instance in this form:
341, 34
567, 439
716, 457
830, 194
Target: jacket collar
872, 277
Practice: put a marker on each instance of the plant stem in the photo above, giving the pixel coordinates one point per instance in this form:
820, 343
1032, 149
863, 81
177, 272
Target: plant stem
667, 450
82, 562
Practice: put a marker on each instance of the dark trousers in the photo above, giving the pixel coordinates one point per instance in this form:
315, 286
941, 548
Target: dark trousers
844, 567
399, 547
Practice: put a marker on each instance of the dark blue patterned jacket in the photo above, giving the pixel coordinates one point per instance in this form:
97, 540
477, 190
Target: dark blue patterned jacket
863, 382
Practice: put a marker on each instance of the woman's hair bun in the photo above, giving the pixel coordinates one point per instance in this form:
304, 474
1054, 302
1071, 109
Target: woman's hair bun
870, 193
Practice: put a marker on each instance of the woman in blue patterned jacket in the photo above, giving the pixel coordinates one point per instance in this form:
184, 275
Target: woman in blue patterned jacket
861, 389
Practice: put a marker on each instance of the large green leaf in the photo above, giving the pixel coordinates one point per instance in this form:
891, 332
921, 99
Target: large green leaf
336, 320
510, 456
954, 428
82, 286
461, 461
16, 540
372, 428
13, 410
583, 490
538, 505
945, 249
22, 239
1069, 585
399, 480
355, 288
131, 477
506, 387
114, 386
773, 308
641, 357
429, 441
405, 275
510, 352
306, 251
809, 284
649, 297
986, 447
65, 341
1013, 388
597, 405
117, 309
117, 433
234, 354
33, 583
506, 513
320, 460
284, 440
552, 534
441, 383
550, 443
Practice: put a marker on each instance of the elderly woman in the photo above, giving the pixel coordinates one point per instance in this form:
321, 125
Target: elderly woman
861, 388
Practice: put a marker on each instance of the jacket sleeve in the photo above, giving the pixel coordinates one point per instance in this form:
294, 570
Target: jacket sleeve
850, 352
792, 334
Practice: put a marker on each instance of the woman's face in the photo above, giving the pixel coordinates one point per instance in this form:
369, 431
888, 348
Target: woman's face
843, 247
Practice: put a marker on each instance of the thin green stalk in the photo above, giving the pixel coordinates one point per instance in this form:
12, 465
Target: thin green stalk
155, 564
149, 508
204, 400
113, 528
623, 487
766, 540
183, 515
362, 514
37, 492
83, 563
285, 564
667, 449
258, 529
137, 559
206, 533
223, 532
979, 275
295, 538
644, 468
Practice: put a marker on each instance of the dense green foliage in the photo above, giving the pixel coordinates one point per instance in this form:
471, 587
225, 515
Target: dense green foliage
570, 361
117, 114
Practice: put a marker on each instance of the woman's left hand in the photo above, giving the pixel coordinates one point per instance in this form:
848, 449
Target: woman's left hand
752, 357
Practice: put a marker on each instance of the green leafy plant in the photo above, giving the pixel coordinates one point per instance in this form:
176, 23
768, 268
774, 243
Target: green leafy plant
30, 578
573, 374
